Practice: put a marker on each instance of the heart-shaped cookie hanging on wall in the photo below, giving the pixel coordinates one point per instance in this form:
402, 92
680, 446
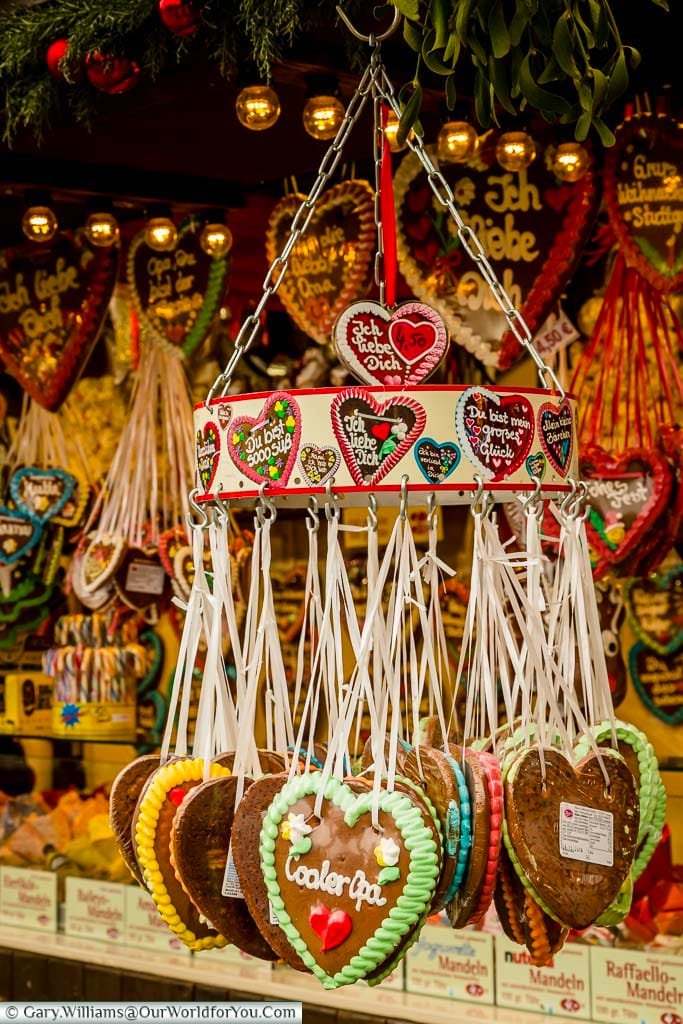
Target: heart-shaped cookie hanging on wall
330, 266
53, 300
176, 294
532, 228
643, 198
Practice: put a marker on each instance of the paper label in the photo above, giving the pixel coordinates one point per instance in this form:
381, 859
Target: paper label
555, 334
562, 989
95, 910
586, 834
145, 927
28, 899
231, 882
272, 916
143, 578
453, 965
633, 987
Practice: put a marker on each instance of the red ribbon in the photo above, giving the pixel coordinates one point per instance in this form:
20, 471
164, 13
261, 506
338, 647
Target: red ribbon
388, 216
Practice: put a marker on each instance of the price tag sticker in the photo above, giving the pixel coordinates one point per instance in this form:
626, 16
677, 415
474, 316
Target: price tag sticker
231, 882
586, 834
555, 333
144, 578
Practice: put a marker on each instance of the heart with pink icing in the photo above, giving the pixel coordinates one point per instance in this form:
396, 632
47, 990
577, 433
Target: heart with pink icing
495, 431
265, 448
398, 348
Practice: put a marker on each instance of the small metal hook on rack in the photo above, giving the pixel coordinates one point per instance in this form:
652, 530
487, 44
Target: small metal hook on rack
568, 499
533, 501
403, 507
372, 39
372, 514
331, 502
432, 511
482, 502
313, 522
581, 509
265, 505
199, 510
222, 507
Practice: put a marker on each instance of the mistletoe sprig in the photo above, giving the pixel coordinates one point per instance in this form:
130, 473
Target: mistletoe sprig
562, 58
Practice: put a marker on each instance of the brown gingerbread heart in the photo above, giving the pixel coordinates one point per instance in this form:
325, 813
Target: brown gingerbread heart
522, 920
466, 899
547, 807
125, 793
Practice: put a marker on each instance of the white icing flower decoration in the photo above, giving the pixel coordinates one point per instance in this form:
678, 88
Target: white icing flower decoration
399, 429
294, 828
387, 853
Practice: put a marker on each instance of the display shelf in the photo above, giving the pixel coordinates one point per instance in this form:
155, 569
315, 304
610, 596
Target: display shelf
388, 1004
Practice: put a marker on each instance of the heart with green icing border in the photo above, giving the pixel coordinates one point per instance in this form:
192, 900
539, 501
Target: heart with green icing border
655, 610
333, 859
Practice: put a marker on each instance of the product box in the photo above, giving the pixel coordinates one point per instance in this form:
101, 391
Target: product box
26, 704
28, 899
563, 989
146, 928
94, 721
95, 910
451, 964
636, 987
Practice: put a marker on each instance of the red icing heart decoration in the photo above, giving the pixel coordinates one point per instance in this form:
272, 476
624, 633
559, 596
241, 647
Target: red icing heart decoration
627, 494
644, 210
177, 795
556, 434
532, 228
265, 448
208, 454
374, 436
53, 300
333, 926
399, 348
495, 433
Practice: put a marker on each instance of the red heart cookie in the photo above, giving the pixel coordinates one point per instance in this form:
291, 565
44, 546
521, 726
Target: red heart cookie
495, 432
265, 448
356, 420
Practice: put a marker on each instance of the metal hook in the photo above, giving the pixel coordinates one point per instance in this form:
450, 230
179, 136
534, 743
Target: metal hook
533, 500
199, 509
568, 498
223, 507
266, 504
432, 511
313, 523
331, 502
372, 513
581, 508
372, 39
403, 507
486, 499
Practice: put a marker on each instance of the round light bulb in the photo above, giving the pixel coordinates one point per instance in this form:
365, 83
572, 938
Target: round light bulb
570, 161
216, 239
322, 116
161, 234
39, 224
101, 229
515, 151
257, 107
457, 142
391, 131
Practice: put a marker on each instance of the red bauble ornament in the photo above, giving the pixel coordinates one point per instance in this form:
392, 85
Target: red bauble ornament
181, 17
109, 74
56, 52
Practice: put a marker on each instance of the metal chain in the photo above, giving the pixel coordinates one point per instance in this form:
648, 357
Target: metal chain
472, 245
300, 223
377, 145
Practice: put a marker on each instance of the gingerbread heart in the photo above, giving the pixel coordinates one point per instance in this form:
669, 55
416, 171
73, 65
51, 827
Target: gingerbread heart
208, 450
655, 610
571, 837
536, 465
170, 542
374, 436
640, 175
338, 858
436, 460
495, 432
54, 299
72, 512
100, 560
399, 347
658, 680
533, 229
318, 465
41, 493
555, 430
265, 448
140, 579
19, 534
98, 598
330, 266
125, 793
176, 294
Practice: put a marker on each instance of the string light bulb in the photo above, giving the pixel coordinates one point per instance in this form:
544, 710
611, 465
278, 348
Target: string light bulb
102, 229
391, 131
257, 107
39, 223
322, 116
161, 234
457, 142
570, 161
216, 239
515, 151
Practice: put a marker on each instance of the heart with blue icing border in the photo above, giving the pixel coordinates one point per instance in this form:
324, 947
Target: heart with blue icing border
41, 493
436, 460
19, 534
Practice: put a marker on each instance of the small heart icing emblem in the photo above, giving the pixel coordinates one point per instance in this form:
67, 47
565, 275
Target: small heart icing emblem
265, 448
571, 879
318, 465
41, 493
536, 465
398, 348
374, 436
208, 444
436, 460
556, 431
496, 432
223, 415
658, 680
655, 610
19, 534
345, 895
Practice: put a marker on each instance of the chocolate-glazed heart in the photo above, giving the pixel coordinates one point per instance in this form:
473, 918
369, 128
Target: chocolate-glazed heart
495, 432
465, 901
573, 891
200, 842
18, 535
658, 680
330, 267
140, 579
318, 464
556, 432
208, 450
339, 860
655, 610
436, 461
41, 493
374, 436
264, 448
125, 793
55, 296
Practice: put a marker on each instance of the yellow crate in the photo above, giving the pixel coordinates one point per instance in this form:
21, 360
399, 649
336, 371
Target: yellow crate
94, 721
26, 704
